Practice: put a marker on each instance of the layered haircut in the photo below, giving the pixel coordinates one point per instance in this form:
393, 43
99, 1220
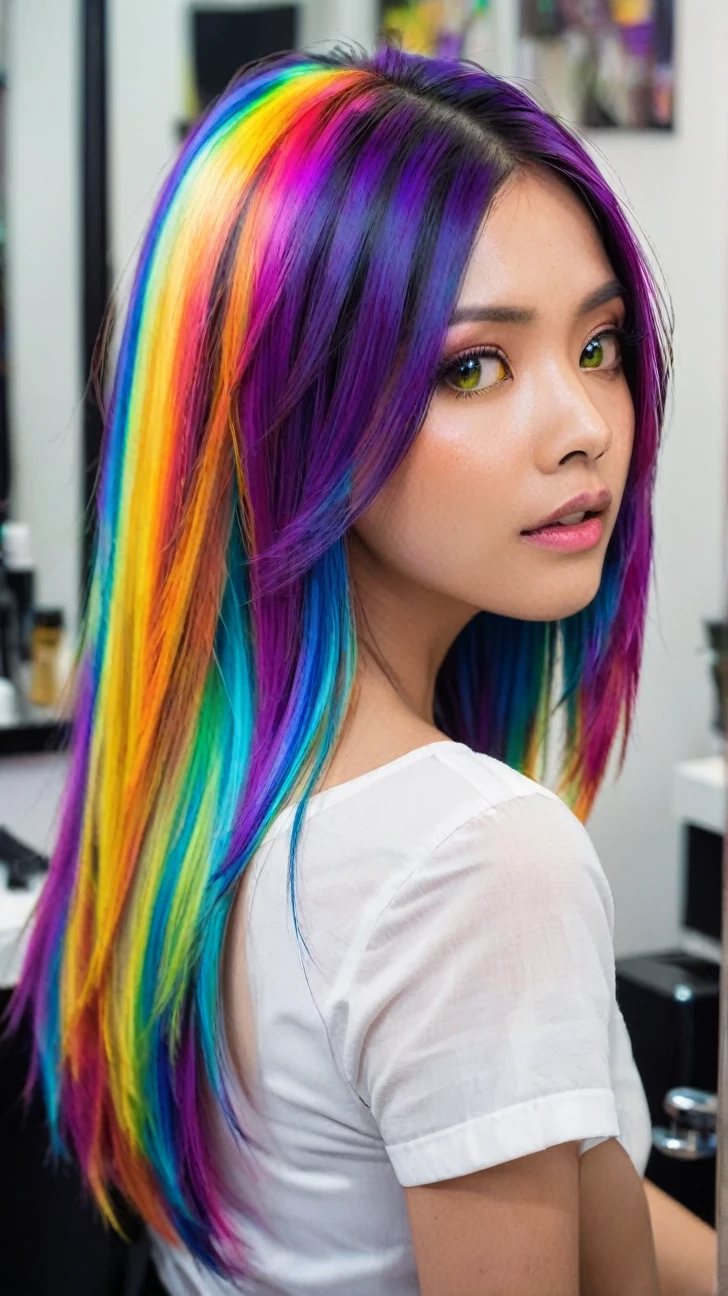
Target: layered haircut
255, 413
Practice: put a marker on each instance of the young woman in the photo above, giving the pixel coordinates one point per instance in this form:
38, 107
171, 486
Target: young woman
322, 979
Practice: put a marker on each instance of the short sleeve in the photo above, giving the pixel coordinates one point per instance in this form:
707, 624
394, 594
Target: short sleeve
476, 1022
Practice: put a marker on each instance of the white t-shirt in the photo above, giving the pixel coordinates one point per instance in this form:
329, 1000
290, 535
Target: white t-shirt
458, 1010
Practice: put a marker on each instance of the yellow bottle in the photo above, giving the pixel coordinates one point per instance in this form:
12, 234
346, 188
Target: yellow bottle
45, 651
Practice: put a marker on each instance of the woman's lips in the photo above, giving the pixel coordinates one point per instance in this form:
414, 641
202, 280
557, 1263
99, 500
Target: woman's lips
586, 502
567, 539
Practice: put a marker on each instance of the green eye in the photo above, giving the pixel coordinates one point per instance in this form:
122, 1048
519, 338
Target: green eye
592, 356
474, 372
468, 373
602, 352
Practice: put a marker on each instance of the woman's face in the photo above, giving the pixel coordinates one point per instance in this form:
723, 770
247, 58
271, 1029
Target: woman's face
524, 431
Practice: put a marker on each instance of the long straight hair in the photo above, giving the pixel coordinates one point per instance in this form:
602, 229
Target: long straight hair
254, 415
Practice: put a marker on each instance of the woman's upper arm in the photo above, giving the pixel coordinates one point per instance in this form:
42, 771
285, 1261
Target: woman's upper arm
505, 1231
552, 1222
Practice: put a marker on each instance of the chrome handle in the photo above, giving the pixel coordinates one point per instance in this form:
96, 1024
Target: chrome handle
695, 1107
693, 1118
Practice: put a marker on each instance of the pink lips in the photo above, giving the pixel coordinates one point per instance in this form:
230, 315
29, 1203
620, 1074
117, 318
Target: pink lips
572, 537
568, 539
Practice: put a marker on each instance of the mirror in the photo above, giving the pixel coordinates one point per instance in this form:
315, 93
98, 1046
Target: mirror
41, 460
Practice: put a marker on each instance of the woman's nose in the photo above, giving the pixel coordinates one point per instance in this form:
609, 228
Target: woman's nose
572, 424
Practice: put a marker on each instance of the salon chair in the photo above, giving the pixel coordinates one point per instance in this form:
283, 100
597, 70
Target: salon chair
53, 1241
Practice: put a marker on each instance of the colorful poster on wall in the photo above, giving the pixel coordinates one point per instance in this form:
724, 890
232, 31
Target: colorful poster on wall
445, 28
602, 62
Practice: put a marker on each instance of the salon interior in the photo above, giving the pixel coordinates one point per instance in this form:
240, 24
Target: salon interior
95, 96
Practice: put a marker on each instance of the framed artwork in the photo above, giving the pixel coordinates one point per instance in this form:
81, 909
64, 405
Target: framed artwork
445, 28
607, 63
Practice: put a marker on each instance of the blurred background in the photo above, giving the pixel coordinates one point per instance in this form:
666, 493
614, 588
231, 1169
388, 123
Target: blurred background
95, 96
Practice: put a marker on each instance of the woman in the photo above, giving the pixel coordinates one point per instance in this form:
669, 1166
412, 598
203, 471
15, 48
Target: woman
376, 483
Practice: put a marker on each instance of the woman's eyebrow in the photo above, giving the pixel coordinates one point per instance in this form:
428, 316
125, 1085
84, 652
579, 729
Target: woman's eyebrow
495, 314
606, 293
521, 315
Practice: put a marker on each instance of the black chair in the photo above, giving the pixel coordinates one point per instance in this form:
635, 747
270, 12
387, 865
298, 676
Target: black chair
53, 1240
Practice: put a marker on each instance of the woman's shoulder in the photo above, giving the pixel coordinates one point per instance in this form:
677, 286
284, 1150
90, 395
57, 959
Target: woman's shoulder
522, 829
444, 823
489, 777
480, 984
453, 850
447, 820
442, 795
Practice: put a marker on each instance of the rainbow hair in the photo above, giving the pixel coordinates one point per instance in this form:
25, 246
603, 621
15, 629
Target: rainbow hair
254, 415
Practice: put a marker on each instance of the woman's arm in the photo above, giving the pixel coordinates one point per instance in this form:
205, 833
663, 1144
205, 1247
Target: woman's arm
686, 1247
504, 1231
616, 1247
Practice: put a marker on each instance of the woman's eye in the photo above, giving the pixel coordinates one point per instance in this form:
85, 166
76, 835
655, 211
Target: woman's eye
603, 352
470, 374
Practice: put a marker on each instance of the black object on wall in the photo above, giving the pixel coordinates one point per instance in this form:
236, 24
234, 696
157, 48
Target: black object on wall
223, 40
703, 881
94, 254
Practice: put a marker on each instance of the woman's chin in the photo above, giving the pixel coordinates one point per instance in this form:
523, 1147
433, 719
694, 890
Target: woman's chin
558, 609
563, 598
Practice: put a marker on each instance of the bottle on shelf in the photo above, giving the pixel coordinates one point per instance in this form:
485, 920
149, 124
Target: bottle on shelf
45, 668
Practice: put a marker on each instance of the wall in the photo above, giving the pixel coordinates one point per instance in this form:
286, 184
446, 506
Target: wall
43, 288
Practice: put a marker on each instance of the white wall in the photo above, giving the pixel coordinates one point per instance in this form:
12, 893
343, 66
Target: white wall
43, 288
678, 187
